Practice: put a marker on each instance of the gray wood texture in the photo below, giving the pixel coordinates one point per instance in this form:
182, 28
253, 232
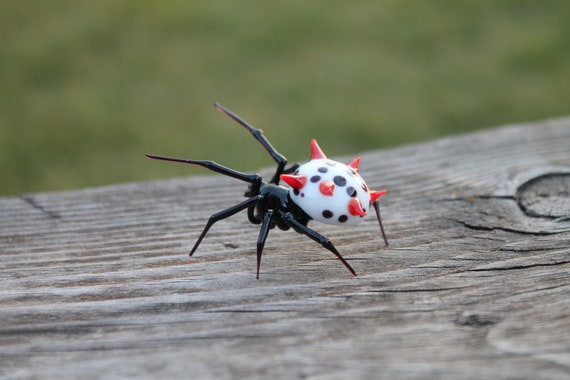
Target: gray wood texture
97, 283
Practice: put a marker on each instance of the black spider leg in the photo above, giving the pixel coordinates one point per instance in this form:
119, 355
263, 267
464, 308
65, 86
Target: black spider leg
254, 179
211, 165
258, 134
267, 219
377, 209
324, 241
223, 215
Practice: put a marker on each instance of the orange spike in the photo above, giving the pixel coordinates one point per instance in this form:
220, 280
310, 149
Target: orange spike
354, 164
296, 181
316, 152
326, 187
374, 195
355, 207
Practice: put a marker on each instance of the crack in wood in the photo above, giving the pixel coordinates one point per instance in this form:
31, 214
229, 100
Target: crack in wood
473, 198
32, 202
478, 227
517, 267
419, 290
476, 320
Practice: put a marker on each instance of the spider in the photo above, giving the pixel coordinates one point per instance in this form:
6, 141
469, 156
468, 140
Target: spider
321, 189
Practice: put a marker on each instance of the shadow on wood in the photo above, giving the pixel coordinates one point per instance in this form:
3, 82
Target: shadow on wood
97, 283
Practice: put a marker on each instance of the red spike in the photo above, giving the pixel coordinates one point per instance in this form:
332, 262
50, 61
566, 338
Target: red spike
354, 164
296, 181
316, 152
374, 195
355, 207
326, 187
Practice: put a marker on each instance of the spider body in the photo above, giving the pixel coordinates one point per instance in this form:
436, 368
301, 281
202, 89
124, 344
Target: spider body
329, 191
276, 198
321, 189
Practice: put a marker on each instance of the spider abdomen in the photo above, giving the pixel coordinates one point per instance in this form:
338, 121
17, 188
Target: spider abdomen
329, 191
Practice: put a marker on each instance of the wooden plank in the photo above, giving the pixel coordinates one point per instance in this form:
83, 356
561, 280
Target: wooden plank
97, 283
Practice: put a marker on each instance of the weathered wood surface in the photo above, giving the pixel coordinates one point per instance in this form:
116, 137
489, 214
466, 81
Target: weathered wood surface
475, 284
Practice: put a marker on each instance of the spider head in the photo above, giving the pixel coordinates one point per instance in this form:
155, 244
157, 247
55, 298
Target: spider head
329, 191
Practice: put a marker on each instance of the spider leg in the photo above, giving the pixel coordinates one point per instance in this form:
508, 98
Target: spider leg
377, 209
211, 165
291, 169
223, 215
258, 134
267, 219
324, 241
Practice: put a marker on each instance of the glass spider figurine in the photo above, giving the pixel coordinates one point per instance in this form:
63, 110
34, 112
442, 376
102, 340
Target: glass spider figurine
321, 189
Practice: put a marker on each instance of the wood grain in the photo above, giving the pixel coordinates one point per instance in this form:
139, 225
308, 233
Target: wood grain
97, 283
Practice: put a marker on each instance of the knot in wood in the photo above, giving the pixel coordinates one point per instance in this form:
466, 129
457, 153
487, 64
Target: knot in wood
546, 196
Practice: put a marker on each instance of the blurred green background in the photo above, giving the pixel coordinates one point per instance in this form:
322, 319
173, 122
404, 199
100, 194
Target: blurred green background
88, 87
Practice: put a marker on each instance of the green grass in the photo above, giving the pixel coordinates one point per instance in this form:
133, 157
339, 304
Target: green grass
88, 87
